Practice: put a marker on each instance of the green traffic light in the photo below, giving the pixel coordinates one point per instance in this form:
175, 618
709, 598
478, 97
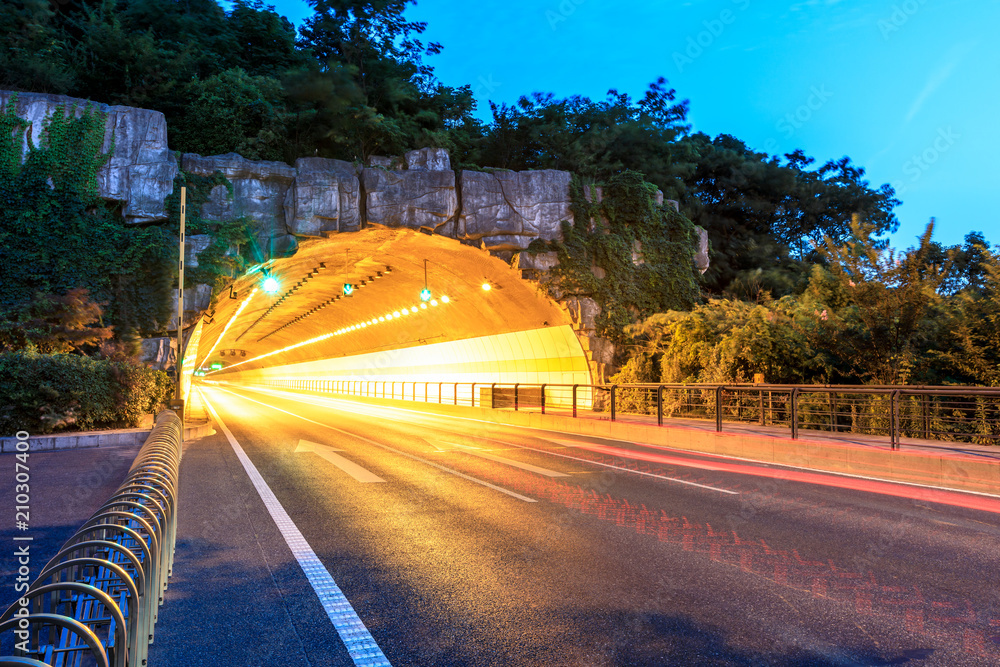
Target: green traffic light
348, 289
425, 294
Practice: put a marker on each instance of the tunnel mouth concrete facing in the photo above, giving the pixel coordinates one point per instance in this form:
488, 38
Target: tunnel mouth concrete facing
307, 326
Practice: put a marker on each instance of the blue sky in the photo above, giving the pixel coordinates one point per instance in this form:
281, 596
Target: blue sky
909, 89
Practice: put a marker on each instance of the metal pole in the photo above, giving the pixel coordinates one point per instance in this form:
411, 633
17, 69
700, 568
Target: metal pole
493, 396
894, 420
613, 401
718, 409
456, 394
440, 389
543, 399
574, 399
180, 292
795, 413
515, 397
659, 405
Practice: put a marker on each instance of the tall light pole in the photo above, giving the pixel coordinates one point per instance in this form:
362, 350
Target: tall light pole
180, 295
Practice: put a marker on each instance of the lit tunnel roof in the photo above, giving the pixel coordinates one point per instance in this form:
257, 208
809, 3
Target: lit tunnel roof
309, 318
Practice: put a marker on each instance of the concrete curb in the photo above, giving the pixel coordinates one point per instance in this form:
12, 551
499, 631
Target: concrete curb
956, 471
198, 431
80, 440
86, 439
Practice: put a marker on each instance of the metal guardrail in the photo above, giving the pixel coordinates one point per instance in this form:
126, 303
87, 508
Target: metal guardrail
96, 602
957, 414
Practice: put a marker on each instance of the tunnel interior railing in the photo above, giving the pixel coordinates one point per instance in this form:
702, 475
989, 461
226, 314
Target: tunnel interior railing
96, 601
954, 414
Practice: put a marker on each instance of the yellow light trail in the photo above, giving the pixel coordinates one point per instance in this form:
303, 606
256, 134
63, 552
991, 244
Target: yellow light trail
229, 324
284, 349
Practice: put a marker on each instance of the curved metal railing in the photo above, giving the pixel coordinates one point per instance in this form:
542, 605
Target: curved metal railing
96, 602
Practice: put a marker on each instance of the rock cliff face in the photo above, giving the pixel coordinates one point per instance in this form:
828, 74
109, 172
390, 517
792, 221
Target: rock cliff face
141, 171
502, 211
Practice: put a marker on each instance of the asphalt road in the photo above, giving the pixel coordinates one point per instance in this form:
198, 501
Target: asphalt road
464, 543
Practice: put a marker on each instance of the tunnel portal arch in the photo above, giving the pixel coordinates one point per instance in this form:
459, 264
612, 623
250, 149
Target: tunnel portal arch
310, 329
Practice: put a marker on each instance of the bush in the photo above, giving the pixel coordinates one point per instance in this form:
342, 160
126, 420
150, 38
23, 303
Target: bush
42, 393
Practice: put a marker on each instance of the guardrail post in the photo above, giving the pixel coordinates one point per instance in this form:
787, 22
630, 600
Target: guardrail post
718, 409
473, 399
795, 413
574, 399
456, 393
761, 407
894, 424
613, 387
493, 396
659, 405
426, 384
440, 389
834, 428
543, 399
516, 385
925, 410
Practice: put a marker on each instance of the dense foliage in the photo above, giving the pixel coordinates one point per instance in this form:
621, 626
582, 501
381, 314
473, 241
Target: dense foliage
41, 393
61, 236
867, 315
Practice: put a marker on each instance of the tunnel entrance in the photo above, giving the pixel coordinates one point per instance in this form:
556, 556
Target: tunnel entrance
350, 307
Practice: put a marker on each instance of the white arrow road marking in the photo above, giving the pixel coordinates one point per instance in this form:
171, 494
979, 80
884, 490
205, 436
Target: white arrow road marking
475, 451
388, 448
350, 467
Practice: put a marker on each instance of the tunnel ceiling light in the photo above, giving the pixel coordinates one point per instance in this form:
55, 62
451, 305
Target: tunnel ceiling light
388, 317
487, 286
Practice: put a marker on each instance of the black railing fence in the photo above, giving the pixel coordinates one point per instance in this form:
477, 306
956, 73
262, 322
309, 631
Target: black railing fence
956, 414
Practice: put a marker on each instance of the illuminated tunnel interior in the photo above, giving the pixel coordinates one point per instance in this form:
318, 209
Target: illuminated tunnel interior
305, 326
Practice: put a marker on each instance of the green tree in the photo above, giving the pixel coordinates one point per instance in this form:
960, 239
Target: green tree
890, 294
33, 57
235, 112
52, 324
728, 340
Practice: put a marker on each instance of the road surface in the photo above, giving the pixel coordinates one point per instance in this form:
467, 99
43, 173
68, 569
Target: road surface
457, 542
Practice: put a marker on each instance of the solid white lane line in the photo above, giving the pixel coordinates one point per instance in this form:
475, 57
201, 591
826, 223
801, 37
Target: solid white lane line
362, 647
475, 451
442, 468
348, 466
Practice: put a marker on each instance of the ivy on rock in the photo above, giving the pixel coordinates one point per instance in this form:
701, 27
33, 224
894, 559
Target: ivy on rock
632, 256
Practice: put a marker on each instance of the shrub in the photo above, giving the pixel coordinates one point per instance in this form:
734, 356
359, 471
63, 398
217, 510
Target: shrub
42, 393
